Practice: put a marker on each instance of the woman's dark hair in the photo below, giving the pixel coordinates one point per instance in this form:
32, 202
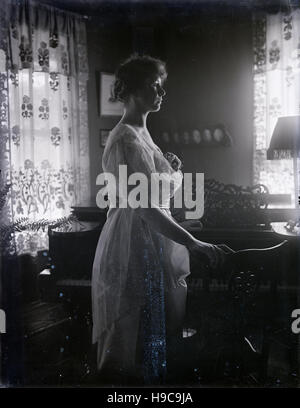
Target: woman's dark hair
133, 73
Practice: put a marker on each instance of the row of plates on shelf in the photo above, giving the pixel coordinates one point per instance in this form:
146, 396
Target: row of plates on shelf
217, 135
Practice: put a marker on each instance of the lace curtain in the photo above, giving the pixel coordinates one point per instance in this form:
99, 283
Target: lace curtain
44, 129
276, 92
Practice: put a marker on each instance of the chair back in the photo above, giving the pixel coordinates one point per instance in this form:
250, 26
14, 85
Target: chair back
248, 268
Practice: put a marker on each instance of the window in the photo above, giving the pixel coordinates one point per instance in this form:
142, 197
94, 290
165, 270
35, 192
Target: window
46, 152
276, 93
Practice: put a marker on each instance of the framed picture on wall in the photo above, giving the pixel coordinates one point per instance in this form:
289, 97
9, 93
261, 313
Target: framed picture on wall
104, 133
108, 107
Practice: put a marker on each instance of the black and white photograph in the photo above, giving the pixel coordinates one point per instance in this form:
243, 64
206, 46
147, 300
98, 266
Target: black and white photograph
149, 196
104, 133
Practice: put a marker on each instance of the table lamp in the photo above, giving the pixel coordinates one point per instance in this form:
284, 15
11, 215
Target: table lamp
285, 144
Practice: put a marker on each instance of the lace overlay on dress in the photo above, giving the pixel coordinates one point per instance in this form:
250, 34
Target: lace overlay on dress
134, 266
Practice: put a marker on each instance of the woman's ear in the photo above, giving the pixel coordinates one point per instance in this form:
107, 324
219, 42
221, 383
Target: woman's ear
130, 98
137, 93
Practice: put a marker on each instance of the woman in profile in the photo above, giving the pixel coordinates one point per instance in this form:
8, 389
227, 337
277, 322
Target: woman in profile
142, 257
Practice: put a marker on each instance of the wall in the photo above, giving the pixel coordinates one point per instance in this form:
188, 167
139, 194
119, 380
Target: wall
210, 82
209, 58
108, 44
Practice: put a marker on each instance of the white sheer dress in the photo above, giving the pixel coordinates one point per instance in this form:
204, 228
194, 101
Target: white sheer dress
138, 281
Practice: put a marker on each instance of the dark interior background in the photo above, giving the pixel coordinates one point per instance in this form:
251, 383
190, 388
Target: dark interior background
208, 50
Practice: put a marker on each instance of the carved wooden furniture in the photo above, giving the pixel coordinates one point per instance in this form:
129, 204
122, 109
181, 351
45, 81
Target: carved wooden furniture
231, 206
248, 270
240, 317
233, 215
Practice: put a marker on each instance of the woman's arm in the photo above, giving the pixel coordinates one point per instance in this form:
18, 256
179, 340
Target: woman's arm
160, 222
140, 159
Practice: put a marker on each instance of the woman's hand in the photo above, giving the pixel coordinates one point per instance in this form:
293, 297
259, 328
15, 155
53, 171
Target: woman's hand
216, 254
174, 161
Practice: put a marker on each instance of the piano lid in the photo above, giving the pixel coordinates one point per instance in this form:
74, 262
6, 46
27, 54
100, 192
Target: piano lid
77, 226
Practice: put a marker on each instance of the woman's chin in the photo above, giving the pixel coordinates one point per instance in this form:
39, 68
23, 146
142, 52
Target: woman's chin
156, 107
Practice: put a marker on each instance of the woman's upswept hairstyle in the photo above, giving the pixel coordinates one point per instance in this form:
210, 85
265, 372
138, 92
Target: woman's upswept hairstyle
133, 73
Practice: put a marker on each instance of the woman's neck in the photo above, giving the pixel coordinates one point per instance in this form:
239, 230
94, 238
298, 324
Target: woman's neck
135, 118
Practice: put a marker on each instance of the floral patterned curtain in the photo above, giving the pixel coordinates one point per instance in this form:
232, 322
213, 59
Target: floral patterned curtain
45, 146
276, 92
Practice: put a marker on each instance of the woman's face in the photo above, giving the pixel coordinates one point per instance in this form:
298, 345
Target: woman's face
149, 98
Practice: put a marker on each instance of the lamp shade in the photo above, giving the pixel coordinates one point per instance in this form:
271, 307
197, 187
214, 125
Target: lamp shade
285, 141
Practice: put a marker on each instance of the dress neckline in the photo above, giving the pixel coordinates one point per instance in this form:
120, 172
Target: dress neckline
149, 141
